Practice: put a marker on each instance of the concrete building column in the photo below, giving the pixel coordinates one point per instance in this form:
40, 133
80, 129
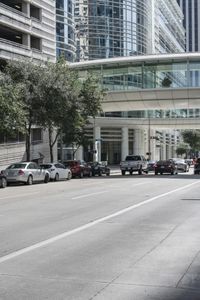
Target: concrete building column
79, 153
26, 8
26, 40
139, 145
163, 148
97, 143
153, 144
125, 143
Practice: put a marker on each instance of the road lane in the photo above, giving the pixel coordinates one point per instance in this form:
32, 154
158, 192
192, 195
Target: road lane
110, 259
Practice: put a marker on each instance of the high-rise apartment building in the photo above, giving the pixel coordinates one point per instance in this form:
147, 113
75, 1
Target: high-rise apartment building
191, 12
27, 31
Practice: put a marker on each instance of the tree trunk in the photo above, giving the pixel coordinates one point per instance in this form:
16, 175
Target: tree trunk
28, 143
51, 145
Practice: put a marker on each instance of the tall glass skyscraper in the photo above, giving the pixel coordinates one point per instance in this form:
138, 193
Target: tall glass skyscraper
191, 11
113, 28
65, 29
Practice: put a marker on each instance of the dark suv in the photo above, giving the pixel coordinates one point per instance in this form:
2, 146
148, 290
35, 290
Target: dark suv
99, 168
79, 168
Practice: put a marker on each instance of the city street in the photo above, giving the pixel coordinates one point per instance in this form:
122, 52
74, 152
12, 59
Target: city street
104, 238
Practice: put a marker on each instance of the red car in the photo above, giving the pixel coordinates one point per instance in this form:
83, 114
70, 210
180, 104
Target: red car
79, 168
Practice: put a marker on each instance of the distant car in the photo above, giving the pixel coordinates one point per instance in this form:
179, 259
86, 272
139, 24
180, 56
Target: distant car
166, 167
57, 171
98, 169
3, 180
26, 172
189, 161
181, 164
151, 165
197, 166
79, 168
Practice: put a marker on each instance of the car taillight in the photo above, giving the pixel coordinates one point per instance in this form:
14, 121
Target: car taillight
21, 172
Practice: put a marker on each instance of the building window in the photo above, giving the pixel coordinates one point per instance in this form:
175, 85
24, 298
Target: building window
35, 43
35, 12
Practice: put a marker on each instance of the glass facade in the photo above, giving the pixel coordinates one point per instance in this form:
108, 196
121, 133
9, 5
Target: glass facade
146, 75
168, 27
112, 28
65, 29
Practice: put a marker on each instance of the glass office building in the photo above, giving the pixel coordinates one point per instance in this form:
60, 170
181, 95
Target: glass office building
65, 29
113, 28
191, 12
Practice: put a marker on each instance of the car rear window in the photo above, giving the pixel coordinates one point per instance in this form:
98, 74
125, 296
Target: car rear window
46, 166
134, 158
17, 166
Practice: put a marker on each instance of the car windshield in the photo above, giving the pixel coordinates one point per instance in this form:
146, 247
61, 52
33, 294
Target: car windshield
134, 158
45, 166
17, 166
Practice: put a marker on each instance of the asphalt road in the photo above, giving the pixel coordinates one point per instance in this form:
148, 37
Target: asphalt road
103, 238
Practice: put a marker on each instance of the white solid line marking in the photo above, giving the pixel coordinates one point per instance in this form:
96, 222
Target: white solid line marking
88, 195
88, 225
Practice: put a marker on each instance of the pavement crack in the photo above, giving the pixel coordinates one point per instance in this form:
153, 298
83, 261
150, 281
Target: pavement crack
195, 256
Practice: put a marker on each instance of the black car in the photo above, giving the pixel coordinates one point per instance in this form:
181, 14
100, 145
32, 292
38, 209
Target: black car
3, 180
151, 165
165, 166
197, 166
99, 169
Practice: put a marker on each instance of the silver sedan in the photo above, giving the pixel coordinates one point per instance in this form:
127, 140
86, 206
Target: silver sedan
26, 172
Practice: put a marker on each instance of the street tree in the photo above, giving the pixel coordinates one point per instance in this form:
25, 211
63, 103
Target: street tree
192, 138
11, 107
183, 149
28, 76
59, 90
88, 106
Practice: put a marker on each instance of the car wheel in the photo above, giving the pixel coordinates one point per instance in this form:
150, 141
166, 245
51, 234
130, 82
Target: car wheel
81, 174
46, 178
172, 172
56, 177
156, 173
3, 183
131, 172
108, 174
29, 180
100, 173
140, 171
123, 172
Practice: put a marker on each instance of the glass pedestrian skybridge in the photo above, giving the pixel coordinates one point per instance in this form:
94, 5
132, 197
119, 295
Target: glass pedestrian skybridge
164, 81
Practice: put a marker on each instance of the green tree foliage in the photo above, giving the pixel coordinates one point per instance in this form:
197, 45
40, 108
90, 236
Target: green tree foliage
88, 106
27, 76
183, 149
192, 138
11, 107
54, 98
